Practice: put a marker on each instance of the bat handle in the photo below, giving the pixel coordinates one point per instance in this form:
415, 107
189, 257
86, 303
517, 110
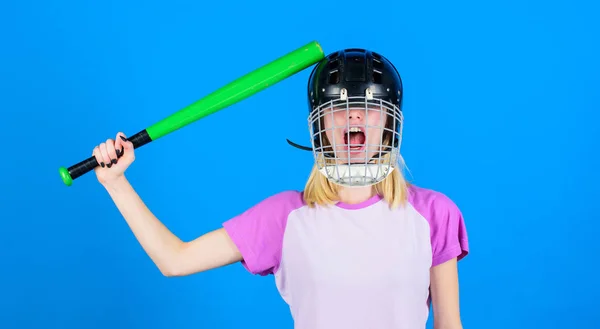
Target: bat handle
79, 169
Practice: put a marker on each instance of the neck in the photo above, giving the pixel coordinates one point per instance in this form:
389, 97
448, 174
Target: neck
354, 195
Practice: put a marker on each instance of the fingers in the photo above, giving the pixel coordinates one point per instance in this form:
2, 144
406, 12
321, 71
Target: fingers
111, 152
98, 155
119, 147
123, 145
104, 155
124, 142
108, 153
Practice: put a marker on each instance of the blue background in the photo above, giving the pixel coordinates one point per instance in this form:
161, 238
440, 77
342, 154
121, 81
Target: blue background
501, 115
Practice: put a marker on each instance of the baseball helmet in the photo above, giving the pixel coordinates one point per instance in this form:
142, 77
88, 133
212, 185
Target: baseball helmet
342, 83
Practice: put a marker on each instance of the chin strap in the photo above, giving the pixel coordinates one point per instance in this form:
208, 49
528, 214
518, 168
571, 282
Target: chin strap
305, 148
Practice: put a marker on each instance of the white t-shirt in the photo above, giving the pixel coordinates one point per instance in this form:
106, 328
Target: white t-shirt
351, 266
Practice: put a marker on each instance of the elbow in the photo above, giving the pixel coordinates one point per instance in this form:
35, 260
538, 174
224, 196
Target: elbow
171, 270
172, 266
169, 273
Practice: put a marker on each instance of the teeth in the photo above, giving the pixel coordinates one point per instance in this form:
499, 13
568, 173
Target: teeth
354, 130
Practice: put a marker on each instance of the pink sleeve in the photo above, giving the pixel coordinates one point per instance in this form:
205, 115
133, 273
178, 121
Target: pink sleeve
258, 232
448, 232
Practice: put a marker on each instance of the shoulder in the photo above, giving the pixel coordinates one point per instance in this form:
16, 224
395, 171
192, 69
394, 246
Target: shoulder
286, 200
448, 231
258, 231
271, 209
279, 205
430, 202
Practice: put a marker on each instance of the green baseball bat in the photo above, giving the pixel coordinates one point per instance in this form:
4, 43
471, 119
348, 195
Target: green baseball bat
237, 90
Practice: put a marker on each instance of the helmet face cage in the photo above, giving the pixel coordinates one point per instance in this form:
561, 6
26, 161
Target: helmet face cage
359, 152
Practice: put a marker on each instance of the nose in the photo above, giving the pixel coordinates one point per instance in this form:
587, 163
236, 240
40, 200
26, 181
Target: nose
355, 115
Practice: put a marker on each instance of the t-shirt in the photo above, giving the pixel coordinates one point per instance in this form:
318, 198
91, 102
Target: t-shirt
351, 266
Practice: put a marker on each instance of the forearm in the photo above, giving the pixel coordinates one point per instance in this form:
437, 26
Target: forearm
161, 245
453, 325
448, 318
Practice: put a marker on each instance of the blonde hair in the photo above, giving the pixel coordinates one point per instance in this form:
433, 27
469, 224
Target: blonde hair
321, 191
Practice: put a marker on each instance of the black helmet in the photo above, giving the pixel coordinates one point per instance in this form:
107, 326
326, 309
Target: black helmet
353, 72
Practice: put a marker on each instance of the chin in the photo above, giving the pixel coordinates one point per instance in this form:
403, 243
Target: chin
344, 156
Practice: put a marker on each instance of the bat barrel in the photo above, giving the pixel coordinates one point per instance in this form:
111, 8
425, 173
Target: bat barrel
241, 88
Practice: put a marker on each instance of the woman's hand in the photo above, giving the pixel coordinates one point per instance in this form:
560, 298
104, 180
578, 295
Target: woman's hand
114, 157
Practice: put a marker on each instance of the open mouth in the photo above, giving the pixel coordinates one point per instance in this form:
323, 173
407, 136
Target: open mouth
354, 138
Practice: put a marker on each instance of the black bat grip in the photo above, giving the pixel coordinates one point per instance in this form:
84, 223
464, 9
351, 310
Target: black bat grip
79, 169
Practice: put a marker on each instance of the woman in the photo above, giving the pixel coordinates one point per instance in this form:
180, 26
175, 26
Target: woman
359, 247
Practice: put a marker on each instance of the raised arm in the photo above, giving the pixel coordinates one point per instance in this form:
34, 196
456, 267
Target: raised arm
172, 256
